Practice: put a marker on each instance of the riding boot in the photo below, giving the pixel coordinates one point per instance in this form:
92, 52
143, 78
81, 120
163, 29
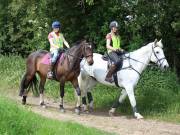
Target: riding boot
50, 71
112, 70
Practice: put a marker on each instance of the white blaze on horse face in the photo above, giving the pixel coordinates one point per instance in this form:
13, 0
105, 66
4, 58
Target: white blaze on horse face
90, 46
158, 56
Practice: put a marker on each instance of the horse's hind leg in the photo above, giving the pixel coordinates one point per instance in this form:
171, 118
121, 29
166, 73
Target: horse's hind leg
118, 102
41, 90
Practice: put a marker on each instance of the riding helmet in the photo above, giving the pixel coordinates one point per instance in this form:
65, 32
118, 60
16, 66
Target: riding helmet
56, 24
113, 24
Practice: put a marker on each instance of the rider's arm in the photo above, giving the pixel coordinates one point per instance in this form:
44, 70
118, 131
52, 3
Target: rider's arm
65, 43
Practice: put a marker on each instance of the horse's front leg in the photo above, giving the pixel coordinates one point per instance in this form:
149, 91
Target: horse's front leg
130, 92
61, 97
78, 93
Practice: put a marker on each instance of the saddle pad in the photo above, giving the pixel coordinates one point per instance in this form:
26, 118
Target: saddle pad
47, 59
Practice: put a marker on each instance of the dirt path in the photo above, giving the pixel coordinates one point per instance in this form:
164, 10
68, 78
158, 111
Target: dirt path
101, 120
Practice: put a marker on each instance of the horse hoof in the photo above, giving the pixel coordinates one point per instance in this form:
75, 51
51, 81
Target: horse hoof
43, 105
77, 110
62, 110
91, 109
23, 102
111, 114
138, 116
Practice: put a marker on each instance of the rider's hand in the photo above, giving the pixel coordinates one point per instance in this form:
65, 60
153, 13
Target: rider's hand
119, 50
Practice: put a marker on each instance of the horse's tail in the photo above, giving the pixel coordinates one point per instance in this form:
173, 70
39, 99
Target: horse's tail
29, 80
22, 85
26, 85
34, 86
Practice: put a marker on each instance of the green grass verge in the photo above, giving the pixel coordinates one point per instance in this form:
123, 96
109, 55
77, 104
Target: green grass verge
16, 120
157, 93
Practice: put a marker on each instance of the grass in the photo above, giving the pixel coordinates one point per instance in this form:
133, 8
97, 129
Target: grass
157, 93
16, 120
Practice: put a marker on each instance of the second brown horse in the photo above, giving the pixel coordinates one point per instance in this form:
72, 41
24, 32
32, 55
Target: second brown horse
66, 70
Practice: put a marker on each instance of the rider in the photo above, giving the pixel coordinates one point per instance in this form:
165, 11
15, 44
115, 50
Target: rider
56, 40
113, 45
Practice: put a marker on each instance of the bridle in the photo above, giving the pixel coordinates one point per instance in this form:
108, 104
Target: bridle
160, 61
86, 45
85, 49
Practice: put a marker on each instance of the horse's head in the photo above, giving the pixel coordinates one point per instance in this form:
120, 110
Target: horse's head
158, 55
87, 51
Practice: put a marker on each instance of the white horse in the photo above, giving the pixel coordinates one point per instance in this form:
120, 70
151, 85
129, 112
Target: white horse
133, 65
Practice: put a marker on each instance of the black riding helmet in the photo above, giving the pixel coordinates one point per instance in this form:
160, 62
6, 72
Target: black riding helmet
113, 24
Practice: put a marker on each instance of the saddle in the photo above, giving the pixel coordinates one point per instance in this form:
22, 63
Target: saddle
106, 57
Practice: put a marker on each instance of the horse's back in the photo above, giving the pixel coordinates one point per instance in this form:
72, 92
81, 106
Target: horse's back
38, 53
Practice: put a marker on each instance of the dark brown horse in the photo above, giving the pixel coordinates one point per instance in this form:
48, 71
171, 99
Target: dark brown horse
66, 69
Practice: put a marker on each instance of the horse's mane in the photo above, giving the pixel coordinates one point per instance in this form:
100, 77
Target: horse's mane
78, 42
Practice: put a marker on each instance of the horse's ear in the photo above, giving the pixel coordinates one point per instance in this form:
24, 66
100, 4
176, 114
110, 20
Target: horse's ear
160, 40
155, 42
160, 43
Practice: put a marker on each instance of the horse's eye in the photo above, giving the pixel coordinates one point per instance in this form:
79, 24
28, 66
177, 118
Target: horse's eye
157, 52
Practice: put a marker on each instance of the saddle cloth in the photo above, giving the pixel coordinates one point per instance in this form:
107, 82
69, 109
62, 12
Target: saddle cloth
47, 59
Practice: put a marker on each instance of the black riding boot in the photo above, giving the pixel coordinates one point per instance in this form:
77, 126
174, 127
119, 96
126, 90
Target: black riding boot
112, 70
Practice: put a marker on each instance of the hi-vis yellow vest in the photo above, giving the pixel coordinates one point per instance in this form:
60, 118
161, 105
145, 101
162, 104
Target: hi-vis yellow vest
57, 41
116, 42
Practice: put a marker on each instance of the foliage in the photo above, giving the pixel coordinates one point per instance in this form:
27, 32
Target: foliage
24, 25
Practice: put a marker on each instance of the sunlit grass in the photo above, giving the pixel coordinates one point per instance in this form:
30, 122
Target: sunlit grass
16, 120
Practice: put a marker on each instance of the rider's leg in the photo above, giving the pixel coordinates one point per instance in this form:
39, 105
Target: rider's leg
54, 55
114, 57
111, 71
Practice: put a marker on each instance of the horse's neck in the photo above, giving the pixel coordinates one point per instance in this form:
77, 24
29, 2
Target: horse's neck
74, 56
143, 56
